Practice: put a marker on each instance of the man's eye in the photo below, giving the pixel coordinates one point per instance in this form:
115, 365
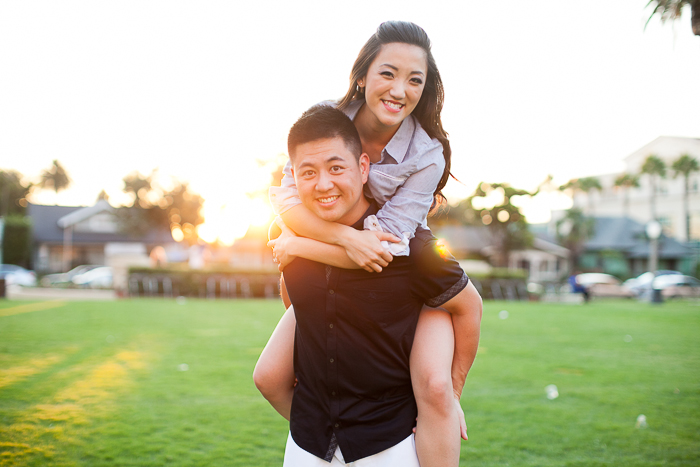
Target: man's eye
308, 173
336, 168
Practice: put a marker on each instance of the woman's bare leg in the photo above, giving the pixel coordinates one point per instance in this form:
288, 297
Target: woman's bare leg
438, 425
274, 372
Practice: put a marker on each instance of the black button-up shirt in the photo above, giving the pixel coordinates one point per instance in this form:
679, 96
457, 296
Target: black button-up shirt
352, 346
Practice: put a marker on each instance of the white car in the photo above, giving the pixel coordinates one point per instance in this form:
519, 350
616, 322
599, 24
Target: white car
17, 275
98, 278
677, 286
603, 285
641, 284
66, 277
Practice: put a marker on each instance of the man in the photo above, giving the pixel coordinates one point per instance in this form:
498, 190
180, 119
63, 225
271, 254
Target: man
354, 330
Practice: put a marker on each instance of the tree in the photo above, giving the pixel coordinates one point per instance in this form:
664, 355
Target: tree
583, 185
626, 181
13, 193
139, 186
673, 9
102, 195
655, 168
55, 177
177, 210
685, 165
573, 230
505, 221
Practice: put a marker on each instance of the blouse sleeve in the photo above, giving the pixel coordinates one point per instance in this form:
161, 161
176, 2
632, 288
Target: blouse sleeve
286, 196
408, 208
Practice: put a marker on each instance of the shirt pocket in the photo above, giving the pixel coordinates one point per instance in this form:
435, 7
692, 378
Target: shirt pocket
385, 180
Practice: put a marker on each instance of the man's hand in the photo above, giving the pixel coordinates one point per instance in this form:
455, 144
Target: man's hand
281, 246
365, 249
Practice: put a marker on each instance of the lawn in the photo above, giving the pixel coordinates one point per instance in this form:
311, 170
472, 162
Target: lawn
163, 382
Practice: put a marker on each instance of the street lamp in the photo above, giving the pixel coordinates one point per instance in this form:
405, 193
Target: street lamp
653, 230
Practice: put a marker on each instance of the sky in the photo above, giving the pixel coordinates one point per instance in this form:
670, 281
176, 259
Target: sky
206, 91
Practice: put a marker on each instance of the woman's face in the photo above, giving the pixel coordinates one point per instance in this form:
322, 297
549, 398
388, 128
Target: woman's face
394, 83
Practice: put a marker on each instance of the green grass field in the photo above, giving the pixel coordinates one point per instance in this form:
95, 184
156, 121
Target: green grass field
102, 384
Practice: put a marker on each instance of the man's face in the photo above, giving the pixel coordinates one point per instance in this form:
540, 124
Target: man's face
330, 179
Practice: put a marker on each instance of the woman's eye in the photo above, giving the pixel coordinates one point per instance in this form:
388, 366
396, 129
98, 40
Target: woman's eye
387, 74
417, 81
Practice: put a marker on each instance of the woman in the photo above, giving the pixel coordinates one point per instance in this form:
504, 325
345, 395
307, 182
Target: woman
394, 99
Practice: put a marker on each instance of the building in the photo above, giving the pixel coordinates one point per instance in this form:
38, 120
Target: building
67, 236
611, 201
544, 261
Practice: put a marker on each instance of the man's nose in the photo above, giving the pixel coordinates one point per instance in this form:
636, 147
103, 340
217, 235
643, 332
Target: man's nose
325, 182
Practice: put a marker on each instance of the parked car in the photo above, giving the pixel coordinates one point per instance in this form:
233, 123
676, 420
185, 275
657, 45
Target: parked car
97, 278
603, 285
677, 286
642, 284
17, 275
66, 278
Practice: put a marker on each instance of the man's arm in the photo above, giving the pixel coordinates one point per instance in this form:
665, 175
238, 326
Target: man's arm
288, 246
362, 247
466, 310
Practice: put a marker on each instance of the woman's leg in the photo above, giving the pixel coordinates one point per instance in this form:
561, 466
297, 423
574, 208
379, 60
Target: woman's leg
274, 372
438, 425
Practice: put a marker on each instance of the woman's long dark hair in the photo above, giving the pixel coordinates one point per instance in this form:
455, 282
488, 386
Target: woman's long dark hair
430, 104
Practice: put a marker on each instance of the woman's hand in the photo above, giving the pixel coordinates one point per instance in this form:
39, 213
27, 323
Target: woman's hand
365, 249
462, 421
282, 245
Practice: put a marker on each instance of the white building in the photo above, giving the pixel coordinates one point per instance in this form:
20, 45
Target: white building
610, 201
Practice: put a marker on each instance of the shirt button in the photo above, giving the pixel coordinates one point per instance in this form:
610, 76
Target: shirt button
337, 425
331, 291
331, 326
333, 393
332, 360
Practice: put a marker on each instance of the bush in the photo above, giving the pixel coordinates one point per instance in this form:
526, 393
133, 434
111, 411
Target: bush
215, 282
16, 242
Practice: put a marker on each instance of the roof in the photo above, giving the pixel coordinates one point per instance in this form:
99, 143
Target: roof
46, 229
465, 237
628, 236
81, 214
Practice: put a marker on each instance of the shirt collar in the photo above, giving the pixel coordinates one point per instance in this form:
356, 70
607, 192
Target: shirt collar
398, 145
372, 209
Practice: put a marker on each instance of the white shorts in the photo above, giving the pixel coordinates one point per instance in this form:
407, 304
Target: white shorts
400, 455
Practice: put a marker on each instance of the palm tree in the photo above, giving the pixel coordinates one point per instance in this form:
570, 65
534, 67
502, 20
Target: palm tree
55, 177
573, 230
627, 181
672, 9
583, 185
654, 167
685, 165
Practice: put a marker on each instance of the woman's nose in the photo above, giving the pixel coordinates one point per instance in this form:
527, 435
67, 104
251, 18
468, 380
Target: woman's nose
398, 90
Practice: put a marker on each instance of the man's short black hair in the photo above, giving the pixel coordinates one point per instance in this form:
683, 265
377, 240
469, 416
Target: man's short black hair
324, 122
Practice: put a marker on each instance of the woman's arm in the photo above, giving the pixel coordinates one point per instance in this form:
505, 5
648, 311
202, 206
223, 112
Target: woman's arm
363, 248
406, 210
288, 246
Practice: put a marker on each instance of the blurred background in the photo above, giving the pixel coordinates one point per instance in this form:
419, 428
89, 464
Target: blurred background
145, 134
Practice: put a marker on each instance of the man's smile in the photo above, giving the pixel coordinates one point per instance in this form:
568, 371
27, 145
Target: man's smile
328, 200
